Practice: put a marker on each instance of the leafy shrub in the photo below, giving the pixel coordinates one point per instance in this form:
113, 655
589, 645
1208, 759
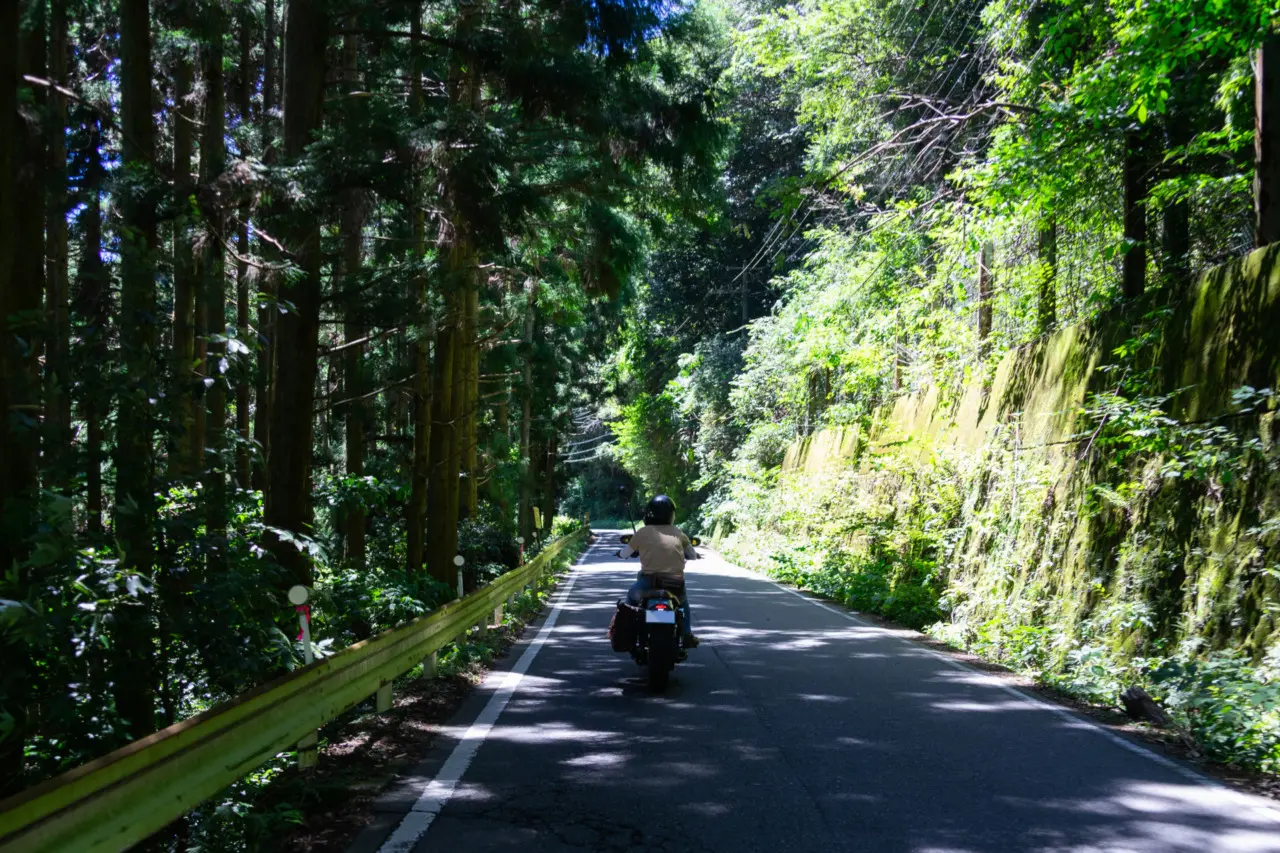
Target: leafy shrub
862, 584
911, 604
791, 567
352, 605
877, 585
767, 443
563, 525
337, 496
1025, 648
197, 612
1091, 673
489, 572
1231, 707
482, 543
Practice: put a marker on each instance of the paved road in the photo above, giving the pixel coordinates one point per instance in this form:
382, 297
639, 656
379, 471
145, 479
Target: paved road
793, 727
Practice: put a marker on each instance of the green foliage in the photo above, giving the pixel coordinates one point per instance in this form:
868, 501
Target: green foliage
1229, 705
242, 817
874, 550
563, 525
338, 495
651, 446
352, 605
600, 488
86, 590
883, 585
483, 544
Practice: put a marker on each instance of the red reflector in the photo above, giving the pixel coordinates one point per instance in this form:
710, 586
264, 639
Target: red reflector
660, 607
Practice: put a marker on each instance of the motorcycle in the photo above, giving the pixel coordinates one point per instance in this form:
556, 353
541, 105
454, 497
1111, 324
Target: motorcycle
651, 630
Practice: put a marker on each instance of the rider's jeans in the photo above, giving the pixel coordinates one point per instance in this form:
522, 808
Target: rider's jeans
644, 584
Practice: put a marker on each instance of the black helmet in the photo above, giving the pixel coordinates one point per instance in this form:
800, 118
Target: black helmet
661, 510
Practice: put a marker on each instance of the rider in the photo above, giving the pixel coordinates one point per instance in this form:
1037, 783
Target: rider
663, 549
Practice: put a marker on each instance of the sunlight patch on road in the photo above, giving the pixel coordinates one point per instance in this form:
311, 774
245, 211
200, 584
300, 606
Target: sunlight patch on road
705, 809
1179, 799
780, 640
598, 760
551, 733
861, 743
983, 707
1158, 817
472, 793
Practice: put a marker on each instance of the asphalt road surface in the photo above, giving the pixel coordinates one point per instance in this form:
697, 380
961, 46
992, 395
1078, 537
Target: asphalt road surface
793, 727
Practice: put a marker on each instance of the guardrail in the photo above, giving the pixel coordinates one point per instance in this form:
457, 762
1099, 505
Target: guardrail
124, 797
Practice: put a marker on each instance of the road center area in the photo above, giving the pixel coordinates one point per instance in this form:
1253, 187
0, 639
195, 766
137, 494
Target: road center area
793, 727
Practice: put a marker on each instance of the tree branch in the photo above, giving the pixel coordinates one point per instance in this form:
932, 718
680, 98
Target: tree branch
331, 351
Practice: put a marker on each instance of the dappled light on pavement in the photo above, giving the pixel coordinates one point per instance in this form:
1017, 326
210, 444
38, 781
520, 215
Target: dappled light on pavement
796, 728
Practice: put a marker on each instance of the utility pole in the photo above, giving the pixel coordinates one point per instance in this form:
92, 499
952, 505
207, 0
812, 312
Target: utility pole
1266, 171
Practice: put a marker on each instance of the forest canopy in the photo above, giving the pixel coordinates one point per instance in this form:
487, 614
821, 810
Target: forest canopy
914, 189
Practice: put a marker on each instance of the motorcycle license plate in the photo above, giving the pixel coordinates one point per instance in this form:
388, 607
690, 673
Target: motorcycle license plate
660, 617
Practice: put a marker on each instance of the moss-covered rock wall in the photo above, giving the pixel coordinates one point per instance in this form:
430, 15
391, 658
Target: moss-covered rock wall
1109, 490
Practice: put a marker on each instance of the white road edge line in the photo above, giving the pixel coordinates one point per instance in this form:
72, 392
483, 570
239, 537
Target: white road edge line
438, 791
1256, 803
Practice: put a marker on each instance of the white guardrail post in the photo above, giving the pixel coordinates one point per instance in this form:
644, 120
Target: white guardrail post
382, 699
308, 755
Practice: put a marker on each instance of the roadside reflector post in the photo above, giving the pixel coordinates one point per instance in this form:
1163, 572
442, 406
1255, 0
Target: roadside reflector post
520, 542
298, 596
459, 561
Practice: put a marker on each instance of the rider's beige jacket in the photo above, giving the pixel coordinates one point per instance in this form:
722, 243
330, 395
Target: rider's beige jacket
662, 549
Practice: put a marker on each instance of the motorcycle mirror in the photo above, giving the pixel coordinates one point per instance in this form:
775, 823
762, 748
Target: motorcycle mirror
624, 538
695, 541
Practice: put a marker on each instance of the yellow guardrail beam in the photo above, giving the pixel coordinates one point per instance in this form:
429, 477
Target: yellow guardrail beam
122, 798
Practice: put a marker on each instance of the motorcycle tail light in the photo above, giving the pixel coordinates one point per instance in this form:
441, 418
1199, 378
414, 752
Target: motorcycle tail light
661, 607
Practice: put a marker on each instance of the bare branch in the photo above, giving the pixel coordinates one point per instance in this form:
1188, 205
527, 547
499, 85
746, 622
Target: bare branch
330, 351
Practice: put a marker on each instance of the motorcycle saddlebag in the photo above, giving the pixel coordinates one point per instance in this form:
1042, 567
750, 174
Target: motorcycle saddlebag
622, 630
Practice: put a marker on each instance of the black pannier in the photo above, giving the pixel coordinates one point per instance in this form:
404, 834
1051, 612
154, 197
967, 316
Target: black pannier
622, 630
